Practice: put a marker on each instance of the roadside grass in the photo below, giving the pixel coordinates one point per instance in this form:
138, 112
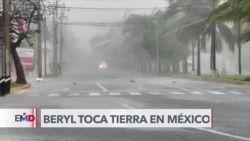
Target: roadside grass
52, 75
236, 77
230, 77
15, 85
208, 76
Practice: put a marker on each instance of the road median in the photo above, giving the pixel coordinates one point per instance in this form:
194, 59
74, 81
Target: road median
209, 79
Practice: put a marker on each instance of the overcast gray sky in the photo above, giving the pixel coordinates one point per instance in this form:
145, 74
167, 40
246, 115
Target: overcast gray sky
82, 15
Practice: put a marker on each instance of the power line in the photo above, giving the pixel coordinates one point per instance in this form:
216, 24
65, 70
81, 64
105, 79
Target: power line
94, 24
119, 9
99, 24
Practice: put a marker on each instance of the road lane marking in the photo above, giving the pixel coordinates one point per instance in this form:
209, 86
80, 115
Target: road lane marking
66, 89
114, 93
102, 87
134, 93
74, 94
216, 93
207, 130
154, 93
176, 93
127, 106
53, 94
234, 92
197, 93
223, 134
128, 90
94, 94
184, 89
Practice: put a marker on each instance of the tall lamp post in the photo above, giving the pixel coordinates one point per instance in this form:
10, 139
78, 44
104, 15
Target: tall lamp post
45, 47
40, 77
157, 47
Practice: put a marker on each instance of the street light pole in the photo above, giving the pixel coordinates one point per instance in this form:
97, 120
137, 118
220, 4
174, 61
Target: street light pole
45, 48
61, 40
157, 48
39, 45
55, 52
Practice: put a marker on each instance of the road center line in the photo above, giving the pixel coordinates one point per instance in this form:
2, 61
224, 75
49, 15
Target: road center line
127, 106
223, 134
102, 87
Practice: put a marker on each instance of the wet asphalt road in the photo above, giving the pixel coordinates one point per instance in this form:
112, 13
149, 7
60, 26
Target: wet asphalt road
115, 90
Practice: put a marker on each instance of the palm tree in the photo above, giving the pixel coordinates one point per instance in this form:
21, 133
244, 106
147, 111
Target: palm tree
142, 30
238, 12
195, 25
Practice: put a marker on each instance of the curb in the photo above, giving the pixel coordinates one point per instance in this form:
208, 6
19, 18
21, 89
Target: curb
18, 89
217, 80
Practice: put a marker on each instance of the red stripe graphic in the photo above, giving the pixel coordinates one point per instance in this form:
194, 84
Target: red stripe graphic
212, 115
36, 119
33, 121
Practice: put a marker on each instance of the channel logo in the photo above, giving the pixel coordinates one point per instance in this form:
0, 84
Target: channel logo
18, 118
25, 118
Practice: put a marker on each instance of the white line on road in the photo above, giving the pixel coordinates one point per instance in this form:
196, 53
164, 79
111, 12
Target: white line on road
102, 87
134, 93
207, 130
224, 134
197, 93
53, 94
66, 89
94, 94
74, 94
176, 93
178, 88
127, 106
114, 93
128, 90
216, 93
234, 92
154, 93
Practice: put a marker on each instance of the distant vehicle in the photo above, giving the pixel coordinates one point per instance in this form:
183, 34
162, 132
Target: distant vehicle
103, 66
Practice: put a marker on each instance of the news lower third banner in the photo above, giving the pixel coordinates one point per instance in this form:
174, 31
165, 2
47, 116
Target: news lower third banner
107, 118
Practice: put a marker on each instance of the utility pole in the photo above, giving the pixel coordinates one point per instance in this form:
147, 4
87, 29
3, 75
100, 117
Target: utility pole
66, 49
61, 40
6, 8
45, 48
55, 63
39, 61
